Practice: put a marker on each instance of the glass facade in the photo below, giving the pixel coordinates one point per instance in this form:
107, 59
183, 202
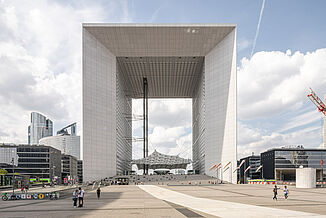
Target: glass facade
34, 161
280, 164
297, 158
40, 127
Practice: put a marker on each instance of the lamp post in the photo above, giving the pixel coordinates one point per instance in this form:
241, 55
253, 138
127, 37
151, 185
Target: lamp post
13, 175
53, 168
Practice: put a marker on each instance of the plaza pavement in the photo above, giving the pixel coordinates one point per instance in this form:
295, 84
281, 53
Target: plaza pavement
177, 201
116, 201
225, 201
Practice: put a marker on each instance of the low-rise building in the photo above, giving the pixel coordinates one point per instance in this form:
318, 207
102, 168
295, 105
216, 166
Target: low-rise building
280, 163
253, 162
35, 161
69, 169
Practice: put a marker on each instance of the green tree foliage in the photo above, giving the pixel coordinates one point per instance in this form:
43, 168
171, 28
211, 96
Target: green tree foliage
3, 172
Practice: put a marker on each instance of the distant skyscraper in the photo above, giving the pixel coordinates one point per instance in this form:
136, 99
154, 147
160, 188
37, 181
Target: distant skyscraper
40, 127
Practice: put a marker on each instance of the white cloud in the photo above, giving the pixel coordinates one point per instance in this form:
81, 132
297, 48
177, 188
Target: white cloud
257, 140
243, 44
40, 61
272, 82
302, 120
184, 147
169, 123
166, 137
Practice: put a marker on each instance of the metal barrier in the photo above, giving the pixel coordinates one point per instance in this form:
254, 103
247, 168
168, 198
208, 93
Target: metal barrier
30, 196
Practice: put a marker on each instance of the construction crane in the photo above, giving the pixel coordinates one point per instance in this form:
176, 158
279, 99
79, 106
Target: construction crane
317, 101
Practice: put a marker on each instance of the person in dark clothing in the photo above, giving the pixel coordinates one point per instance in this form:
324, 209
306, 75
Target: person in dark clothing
75, 197
275, 192
81, 195
98, 191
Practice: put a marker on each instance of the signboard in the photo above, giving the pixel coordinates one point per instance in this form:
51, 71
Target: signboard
30, 196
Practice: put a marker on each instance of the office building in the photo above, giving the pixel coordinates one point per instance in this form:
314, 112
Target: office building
281, 163
80, 171
254, 162
69, 169
67, 144
36, 161
66, 141
40, 127
196, 61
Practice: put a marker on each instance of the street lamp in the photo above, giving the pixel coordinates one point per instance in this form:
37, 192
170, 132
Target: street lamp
53, 168
13, 175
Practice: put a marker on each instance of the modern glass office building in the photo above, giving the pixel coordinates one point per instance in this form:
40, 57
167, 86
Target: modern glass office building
196, 61
35, 161
281, 163
40, 127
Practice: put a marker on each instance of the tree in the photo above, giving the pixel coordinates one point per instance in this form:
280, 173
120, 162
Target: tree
3, 172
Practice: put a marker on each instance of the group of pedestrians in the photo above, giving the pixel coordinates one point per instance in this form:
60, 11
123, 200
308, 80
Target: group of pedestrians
285, 191
78, 195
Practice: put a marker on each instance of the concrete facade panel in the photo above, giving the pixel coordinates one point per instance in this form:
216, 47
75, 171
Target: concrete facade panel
99, 109
220, 101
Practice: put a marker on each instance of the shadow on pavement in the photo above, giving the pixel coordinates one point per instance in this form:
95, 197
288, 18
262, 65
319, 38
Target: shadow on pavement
62, 207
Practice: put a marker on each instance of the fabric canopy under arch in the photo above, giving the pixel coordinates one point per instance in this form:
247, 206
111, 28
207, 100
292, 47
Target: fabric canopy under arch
157, 160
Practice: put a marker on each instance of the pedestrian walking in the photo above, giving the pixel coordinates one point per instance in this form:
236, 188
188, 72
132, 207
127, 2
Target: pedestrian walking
286, 192
75, 197
98, 191
275, 193
81, 195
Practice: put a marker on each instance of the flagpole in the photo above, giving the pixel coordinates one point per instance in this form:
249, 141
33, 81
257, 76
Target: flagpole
217, 174
231, 172
244, 173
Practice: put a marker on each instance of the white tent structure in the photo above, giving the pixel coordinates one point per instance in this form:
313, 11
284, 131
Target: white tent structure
157, 160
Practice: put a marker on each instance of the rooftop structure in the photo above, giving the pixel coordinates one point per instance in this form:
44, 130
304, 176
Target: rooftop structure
68, 130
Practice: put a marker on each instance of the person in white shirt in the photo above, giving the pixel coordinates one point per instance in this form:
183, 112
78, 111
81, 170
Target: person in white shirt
81, 195
286, 192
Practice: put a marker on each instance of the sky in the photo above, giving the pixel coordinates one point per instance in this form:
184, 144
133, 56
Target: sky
40, 68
